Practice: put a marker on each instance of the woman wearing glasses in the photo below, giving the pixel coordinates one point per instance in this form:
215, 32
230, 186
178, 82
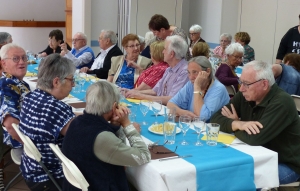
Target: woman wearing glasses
225, 40
126, 69
225, 73
195, 32
45, 119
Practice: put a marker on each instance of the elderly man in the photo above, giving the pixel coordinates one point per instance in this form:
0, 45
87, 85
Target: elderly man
108, 49
5, 38
106, 123
81, 54
174, 77
263, 114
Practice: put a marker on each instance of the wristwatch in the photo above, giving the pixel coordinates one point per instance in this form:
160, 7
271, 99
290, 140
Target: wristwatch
199, 92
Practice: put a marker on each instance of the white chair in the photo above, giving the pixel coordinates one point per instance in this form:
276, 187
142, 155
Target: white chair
231, 90
297, 101
71, 171
31, 151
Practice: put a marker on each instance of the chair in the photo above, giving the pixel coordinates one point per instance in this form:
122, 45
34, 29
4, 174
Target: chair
31, 151
231, 90
16, 157
71, 171
290, 185
297, 101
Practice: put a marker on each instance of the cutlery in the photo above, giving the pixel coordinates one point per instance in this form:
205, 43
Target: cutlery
175, 157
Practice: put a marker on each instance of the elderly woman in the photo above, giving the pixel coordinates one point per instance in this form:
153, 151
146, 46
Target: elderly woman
45, 119
202, 96
5, 38
244, 39
106, 123
225, 40
195, 32
200, 49
225, 73
149, 78
56, 38
126, 69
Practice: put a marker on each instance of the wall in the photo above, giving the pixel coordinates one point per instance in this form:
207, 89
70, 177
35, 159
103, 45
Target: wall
34, 39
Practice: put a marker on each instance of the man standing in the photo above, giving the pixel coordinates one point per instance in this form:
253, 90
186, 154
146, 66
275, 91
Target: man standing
263, 114
81, 54
175, 76
108, 48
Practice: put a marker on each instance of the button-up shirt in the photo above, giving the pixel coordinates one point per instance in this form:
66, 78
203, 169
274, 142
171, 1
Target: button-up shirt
98, 63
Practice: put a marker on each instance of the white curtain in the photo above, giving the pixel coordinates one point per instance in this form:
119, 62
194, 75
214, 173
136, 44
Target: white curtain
123, 20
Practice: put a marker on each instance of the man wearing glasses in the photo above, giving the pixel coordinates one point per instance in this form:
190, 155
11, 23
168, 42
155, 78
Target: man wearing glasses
81, 54
263, 114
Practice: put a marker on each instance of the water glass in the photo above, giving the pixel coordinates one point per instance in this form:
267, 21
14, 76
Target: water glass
144, 107
156, 108
184, 124
212, 133
169, 129
199, 126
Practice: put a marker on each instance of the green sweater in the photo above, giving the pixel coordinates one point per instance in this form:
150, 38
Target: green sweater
281, 124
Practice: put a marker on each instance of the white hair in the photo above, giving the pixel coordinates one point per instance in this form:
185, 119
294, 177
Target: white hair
148, 37
4, 49
196, 28
234, 47
178, 45
226, 35
111, 35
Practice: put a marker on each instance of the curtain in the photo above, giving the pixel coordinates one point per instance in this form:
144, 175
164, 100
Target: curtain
123, 20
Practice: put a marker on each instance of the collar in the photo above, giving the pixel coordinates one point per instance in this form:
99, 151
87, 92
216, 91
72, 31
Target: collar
82, 48
267, 98
107, 50
178, 65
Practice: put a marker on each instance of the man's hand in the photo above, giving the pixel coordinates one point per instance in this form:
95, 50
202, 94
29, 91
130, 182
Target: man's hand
84, 70
121, 116
62, 53
227, 113
186, 113
64, 47
202, 81
251, 127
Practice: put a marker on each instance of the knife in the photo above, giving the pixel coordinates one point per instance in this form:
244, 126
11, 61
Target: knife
175, 157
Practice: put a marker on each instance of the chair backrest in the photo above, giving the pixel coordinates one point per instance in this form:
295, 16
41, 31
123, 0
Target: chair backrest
71, 171
297, 101
230, 90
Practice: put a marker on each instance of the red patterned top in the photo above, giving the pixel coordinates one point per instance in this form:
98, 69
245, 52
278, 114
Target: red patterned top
152, 75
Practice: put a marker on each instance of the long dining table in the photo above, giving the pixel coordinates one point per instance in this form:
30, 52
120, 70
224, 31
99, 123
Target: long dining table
213, 168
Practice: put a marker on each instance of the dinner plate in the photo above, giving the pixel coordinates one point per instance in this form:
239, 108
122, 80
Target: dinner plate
178, 130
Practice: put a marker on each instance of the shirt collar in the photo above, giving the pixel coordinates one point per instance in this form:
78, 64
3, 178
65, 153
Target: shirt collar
267, 98
106, 50
178, 65
82, 48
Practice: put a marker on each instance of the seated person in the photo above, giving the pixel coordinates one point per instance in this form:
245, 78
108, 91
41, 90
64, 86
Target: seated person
174, 77
288, 75
5, 38
106, 123
81, 55
202, 96
13, 90
244, 39
226, 71
225, 40
56, 38
149, 78
45, 119
142, 43
108, 49
195, 36
263, 114
126, 69
200, 49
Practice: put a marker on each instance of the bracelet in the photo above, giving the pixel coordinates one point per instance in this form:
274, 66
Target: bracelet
198, 92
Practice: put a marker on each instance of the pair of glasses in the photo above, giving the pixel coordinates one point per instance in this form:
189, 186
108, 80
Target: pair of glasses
132, 46
72, 80
16, 59
77, 39
192, 34
248, 84
154, 149
238, 57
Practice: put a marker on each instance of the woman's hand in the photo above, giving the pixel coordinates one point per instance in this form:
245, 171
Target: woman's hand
202, 81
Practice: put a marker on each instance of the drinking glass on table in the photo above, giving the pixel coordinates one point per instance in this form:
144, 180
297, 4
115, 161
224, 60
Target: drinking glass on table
82, 82
77, 87
144, 107
132, 115
156, 108
184, 124
199, 126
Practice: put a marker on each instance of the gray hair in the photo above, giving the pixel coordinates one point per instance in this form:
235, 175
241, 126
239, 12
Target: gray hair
111, 35
234, 47
82, 35
226, 35
149, 36
141, 39
196, 28
178, 45
5, 49
100, 98
51, 67
204, 63
4, 37
263, 70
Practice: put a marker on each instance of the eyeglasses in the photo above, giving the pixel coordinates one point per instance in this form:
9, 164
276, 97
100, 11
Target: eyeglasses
72, 80
238, 57
132, 46
77, 39
248, 84
16, 59
154, 149
192, 34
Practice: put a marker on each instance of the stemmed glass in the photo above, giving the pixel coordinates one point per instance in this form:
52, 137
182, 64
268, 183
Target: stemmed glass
77, 88
82, 82
156, 108
132, 115
199, 126
184, 124
144, 107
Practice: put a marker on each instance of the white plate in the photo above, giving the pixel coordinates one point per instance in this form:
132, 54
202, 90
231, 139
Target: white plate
178, 130
36, 68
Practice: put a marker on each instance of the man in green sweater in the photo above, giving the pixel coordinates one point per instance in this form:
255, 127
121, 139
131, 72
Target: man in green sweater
263, 114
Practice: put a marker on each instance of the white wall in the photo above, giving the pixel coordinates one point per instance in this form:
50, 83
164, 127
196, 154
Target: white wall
34, 39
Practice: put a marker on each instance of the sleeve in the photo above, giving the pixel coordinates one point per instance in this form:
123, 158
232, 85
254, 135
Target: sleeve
118, 153
152, 79
181, 80
47, 50
85, 58
159, 84
114, 66
282, 49
181, 99
216, 50
223, 76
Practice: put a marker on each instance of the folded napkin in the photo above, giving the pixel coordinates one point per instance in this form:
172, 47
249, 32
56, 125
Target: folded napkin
154, 155
30, 74
78, 105
223, 138
133, 100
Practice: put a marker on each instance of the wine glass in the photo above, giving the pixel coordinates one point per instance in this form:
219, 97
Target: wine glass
132, 115
184, 124
144, 107
199, 126
156, 108
82, 82
77, 87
